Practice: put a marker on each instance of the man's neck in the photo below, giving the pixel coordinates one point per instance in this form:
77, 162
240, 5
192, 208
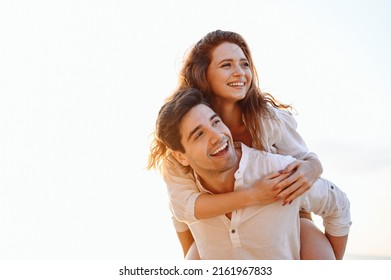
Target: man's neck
222, 182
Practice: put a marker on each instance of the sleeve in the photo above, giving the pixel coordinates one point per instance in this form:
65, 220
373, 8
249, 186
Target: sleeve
281, 134
332, 204
182, 191
179, 226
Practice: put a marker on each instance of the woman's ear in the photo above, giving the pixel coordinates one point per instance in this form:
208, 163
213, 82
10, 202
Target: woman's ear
180, 157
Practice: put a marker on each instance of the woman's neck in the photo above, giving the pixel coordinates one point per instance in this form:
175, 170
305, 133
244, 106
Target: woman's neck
231, 115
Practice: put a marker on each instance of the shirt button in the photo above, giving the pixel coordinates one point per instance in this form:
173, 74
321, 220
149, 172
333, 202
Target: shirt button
233, 231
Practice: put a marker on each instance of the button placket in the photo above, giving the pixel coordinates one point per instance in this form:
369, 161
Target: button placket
233, 231
235, 218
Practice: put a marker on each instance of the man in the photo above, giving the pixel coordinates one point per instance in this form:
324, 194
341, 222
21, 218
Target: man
202, 144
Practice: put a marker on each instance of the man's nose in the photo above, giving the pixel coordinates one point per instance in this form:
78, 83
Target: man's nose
215, 135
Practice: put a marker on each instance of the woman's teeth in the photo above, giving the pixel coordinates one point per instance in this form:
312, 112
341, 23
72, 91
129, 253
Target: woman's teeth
238, 84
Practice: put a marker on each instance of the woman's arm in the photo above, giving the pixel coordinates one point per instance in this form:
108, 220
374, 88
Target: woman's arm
285, 139
189, 205
260, 192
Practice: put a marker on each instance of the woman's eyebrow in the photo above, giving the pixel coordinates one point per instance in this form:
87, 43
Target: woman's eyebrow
230, 60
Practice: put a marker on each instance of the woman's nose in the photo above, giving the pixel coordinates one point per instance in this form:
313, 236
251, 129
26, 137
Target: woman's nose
238, 71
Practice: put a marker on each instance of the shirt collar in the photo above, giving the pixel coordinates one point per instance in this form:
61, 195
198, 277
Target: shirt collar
242, 165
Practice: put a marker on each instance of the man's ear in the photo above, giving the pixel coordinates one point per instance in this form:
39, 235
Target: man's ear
180, 157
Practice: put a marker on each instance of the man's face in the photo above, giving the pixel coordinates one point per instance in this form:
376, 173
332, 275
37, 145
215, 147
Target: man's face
207, 141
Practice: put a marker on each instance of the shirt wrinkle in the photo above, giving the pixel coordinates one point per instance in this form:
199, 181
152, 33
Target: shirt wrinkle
279, 136
271, 231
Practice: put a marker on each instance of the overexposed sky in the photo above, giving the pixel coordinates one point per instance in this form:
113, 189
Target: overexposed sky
81, 83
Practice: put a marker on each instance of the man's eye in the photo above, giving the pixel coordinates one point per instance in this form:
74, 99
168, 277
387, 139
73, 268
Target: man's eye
198, 135
216, 121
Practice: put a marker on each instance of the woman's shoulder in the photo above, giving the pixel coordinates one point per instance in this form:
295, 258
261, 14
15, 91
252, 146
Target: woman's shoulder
279, 130
281, 117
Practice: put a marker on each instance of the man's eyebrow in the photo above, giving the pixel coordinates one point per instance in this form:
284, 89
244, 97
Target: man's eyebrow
213, 116
199, 126
193, 132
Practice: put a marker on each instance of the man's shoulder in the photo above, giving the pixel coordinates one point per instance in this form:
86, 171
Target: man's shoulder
256, 157
251, 151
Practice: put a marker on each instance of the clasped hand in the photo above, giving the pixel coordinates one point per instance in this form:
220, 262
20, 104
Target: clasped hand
285, 185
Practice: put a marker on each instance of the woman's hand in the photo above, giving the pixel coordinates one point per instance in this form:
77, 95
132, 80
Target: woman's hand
303, 174
263, 191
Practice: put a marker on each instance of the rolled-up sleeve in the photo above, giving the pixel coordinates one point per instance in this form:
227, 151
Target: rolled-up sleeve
328, 201
182, 191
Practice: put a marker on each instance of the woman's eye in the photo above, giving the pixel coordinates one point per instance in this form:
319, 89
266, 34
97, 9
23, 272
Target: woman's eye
246, 64
226, 65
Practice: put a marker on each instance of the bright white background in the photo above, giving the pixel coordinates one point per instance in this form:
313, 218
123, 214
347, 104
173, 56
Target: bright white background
81, 83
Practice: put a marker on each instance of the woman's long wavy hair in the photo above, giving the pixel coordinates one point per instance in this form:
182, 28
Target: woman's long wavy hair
254, 105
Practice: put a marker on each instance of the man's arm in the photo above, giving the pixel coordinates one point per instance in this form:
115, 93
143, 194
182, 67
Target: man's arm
339, 245
328, 201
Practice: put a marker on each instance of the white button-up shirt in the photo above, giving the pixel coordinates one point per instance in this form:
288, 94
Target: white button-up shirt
279, 137
272, 231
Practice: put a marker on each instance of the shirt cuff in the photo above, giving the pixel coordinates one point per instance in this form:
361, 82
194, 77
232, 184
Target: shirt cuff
190, 208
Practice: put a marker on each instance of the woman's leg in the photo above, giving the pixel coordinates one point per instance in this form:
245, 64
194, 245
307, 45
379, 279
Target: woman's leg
314, 243
188, 244
192, 253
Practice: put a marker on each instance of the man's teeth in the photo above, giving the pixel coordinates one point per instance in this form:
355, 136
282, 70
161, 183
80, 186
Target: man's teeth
220, 149
238, 84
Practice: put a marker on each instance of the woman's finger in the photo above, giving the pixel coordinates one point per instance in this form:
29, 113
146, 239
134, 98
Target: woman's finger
298, 192
273, 175
292, 166
286, 192
282, 181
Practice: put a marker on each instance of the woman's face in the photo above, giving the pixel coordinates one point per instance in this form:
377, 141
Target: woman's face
229, 74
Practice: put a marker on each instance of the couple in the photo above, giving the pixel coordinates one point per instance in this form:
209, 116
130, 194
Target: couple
201, 142
220, 64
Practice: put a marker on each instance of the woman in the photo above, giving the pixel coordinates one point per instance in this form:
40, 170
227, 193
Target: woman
221, 67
